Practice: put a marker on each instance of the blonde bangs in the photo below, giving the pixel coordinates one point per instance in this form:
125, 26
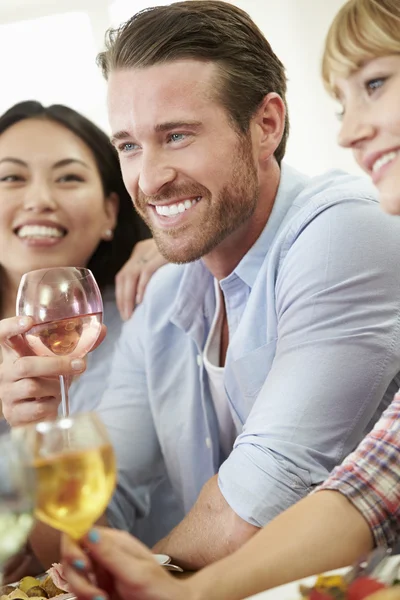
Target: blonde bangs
361, 31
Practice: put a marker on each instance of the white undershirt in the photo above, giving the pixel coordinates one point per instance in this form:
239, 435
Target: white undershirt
227, 430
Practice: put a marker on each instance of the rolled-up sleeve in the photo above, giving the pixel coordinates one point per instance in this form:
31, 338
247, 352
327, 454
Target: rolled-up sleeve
370, 477
337, 296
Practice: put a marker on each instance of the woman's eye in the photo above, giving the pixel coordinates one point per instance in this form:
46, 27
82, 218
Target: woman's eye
70, 177
11, 178
375, 84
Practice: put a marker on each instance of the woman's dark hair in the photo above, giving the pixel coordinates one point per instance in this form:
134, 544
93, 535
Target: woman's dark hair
109, 256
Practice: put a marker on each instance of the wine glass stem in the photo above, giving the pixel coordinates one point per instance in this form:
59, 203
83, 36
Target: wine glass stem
64, 396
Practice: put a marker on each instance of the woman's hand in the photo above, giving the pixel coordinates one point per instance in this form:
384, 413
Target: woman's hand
113, 564
29, 385
131, 281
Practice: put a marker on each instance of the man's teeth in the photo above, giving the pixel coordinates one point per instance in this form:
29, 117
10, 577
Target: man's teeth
39, 231
173, 209
383, 160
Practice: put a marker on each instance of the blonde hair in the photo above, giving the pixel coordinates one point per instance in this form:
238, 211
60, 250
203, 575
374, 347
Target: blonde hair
362, 30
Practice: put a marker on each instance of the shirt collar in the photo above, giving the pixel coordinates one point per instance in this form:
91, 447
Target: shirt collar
291, 182
195, 297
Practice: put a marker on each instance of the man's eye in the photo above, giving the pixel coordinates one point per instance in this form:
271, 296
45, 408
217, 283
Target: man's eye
127, 147
374, 84
177, 137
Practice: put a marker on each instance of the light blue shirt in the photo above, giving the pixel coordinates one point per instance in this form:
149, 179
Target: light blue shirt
158, 513
314, 351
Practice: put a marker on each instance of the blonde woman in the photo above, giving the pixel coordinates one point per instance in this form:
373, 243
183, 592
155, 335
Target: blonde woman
359, 505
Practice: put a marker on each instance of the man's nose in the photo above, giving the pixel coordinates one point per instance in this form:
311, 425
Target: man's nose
154, 174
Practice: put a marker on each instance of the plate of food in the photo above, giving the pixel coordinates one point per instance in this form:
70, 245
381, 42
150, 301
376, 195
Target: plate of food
53, 584
50, 585
334, 586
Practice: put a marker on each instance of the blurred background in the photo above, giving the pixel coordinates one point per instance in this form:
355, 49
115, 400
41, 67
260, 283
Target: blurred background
48, 50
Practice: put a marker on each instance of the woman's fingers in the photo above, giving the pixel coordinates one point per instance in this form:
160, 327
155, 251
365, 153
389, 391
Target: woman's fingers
125, 289
123, 568
127, 561
147, 273
29, 386
133, 278
14, 326
80, 584
11, 331
32, 411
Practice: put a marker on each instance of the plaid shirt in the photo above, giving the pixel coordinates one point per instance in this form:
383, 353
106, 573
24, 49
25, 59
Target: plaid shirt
370, 477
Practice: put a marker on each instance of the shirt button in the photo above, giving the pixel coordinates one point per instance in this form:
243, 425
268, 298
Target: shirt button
199, 359
208, 442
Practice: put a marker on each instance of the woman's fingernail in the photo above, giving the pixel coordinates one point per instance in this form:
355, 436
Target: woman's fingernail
77, 364
138, 299
99, 598
79, 564
93, 536
24, 321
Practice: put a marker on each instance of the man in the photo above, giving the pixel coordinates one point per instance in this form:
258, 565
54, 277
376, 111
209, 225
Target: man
248, 374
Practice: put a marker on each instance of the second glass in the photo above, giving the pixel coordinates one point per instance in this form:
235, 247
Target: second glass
67, 309
75, 470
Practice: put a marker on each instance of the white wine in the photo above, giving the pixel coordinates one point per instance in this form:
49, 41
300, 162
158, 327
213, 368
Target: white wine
74, 488
73, 337
14, 529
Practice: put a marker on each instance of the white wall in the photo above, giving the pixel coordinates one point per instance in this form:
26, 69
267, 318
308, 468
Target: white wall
48, 49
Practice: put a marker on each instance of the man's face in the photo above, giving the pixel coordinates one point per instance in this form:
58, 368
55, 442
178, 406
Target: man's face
191, 177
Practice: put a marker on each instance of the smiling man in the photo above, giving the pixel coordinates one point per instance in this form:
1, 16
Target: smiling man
250, 371
247, 374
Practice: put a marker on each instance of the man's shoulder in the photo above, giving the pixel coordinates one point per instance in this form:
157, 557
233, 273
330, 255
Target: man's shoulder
338, 210
335, 186
333, 195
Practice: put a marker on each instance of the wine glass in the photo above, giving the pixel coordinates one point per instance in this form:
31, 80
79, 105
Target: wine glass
75, 470
17, 497
66, 306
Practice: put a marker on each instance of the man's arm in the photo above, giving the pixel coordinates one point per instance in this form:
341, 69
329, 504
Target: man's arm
338, 308
210, 531
322, 532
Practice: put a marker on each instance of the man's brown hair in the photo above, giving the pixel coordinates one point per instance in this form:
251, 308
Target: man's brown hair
210, 30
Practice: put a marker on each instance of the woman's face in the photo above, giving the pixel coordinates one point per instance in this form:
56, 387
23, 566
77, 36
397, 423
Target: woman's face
370, 99
52, 206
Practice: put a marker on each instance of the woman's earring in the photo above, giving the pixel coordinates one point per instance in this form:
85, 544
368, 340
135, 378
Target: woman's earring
108, 235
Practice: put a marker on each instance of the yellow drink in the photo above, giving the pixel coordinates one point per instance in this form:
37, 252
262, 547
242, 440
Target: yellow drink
74, 488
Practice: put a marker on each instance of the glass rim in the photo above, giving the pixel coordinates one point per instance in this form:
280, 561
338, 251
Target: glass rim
84, 270
59, 422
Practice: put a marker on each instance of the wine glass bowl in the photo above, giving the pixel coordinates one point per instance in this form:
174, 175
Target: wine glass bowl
66, 307
75, 470
67, 310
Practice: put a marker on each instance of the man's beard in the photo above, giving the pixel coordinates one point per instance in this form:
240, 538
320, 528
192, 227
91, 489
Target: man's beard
234, 205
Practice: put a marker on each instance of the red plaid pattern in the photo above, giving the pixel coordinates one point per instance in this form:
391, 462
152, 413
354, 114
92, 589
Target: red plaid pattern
370, 477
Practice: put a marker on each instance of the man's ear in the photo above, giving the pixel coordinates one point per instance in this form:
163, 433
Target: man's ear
270, 124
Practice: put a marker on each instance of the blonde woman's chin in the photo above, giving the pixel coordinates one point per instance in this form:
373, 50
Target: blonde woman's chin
389, 196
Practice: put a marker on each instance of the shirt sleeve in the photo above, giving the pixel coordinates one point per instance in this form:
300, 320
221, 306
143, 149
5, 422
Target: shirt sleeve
125, 410
337, 297
370, 477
